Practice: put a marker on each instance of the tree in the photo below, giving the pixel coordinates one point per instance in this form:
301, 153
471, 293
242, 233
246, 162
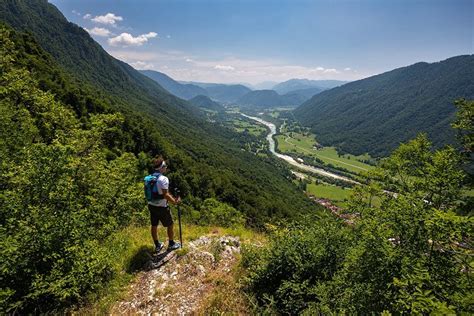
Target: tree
406, 254
464, 123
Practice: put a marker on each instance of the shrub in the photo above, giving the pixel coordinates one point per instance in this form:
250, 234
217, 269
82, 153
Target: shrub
217, 213
289, 272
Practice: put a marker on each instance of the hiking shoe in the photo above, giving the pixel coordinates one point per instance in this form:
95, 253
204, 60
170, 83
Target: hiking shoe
174, 246
159, 247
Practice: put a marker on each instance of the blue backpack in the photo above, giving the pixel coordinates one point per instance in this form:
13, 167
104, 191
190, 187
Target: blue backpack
151, 187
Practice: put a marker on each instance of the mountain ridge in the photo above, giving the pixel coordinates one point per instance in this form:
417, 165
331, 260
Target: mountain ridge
205, 102
184, 91
270, 99
375, 114
300, 84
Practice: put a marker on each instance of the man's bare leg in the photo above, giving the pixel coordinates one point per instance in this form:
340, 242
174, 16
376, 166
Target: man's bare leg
154, 232
170, 232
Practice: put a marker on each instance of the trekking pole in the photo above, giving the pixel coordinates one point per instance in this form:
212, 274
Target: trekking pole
179, 219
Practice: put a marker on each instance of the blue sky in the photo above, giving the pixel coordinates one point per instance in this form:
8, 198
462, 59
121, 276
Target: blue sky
255, 40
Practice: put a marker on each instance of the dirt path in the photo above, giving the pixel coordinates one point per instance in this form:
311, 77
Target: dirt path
181, 285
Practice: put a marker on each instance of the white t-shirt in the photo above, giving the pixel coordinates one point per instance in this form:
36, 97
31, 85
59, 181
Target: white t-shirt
162, 183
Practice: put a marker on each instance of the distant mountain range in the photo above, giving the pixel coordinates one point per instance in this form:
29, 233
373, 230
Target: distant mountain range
226, 93
270, 99
184, 91
303, 84
377, 113
266, 85
289, 93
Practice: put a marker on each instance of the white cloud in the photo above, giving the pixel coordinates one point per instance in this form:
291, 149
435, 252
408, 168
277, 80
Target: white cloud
331, 71
126, 39
141, 65
224, 67
168, 36
177, 64
76, 12
347, 69
87, 16
99, 31
109, 19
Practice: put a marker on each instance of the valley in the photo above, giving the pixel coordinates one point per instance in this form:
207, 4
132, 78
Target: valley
314, 181
300, 178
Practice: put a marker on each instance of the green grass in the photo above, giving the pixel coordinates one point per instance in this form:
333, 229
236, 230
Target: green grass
300, 143
254, 129
275, 114
331, 192
131, 246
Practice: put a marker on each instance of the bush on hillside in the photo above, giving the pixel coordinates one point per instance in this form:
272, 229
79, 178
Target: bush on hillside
217, 213
60, 195
409, 253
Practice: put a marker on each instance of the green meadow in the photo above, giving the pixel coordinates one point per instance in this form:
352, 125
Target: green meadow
304, 143
334, 193
255, 129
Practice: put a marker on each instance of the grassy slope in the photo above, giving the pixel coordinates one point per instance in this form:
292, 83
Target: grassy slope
331, 192
254, 129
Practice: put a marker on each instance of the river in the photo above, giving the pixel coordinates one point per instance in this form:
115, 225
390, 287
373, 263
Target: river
290, 159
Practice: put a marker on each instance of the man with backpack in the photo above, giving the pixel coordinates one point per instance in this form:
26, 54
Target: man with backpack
158, 196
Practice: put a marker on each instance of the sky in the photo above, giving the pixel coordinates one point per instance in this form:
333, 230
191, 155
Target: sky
255, 41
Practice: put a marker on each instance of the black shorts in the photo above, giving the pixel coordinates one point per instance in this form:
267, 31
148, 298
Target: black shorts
162, 214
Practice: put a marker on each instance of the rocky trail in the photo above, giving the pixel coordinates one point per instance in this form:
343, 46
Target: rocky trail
178, 283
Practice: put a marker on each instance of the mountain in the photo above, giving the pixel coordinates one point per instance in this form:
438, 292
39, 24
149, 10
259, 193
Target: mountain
184, 91
305, 94
79, 129
271, 99
73, 48
375, 114
207, 159
265, 85
227, 93
261, 98
299, 84
204, 102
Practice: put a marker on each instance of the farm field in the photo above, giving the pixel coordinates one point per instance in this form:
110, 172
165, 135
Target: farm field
254, 129
299, 143
334, 193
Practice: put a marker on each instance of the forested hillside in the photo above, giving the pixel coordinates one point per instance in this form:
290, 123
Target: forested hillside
300, 84
376, 114
270, 99
78, 131
204, 102
199, 151
224, 92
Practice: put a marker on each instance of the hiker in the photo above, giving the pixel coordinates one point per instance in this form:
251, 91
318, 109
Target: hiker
159, 208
